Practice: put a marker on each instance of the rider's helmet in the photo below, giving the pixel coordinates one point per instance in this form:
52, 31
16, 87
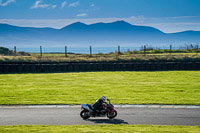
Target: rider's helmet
103, 98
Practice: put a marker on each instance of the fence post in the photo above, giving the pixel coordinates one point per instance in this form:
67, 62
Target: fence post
170, 49
15, 50
65, 51
118, 49
144, 49
40, 51
90, 51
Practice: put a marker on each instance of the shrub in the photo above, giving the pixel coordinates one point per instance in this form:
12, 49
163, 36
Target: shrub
5, 51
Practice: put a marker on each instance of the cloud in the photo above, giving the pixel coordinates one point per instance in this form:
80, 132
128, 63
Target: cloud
81, 15
75, 4
92, 5
181, 17
63, 4
38, 4
6, 3
53, 6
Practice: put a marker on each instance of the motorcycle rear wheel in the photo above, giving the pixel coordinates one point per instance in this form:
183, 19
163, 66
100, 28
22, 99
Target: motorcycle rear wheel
84, 114
112, 115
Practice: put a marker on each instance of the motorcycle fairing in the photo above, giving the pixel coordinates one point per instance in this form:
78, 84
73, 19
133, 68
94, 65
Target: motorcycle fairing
85, 106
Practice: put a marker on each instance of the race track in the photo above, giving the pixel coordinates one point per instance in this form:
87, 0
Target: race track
70, 116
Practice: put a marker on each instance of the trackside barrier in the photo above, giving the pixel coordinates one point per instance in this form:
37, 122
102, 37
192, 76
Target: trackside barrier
86, 67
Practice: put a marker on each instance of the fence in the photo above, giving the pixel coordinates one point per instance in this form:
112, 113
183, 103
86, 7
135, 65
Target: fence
145, 49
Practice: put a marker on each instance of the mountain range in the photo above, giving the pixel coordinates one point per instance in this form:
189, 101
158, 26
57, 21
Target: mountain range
98, 34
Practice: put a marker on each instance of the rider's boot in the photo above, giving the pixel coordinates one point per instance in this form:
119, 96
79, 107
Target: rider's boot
94, 113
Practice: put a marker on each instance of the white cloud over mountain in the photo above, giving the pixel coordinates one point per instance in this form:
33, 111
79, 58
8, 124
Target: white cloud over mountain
63, 4
39, 4
6, 2
92, 5
75, 4
81, 15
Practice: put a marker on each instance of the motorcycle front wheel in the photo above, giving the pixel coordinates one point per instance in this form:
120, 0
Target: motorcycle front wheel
85, 114
112, 115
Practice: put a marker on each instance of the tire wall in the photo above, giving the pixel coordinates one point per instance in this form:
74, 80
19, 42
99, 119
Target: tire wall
87, 67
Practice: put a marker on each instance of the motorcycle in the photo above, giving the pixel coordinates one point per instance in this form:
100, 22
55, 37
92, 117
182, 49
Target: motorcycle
107, 109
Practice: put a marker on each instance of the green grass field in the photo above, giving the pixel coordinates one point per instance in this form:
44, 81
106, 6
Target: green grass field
168, 87
99, 129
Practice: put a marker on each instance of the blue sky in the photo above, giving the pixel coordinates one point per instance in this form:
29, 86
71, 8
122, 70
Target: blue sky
166, 15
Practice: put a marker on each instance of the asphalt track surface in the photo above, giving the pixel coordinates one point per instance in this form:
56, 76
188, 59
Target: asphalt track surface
71, 116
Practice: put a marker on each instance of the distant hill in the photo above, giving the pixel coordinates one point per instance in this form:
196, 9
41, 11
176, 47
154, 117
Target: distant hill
99, 34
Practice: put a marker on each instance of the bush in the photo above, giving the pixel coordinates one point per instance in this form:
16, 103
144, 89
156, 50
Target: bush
6, 51
22, 53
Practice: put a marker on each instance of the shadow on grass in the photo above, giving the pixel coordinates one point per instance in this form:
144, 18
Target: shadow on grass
108, 121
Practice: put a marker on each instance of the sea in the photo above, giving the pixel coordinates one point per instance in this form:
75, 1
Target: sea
79, 50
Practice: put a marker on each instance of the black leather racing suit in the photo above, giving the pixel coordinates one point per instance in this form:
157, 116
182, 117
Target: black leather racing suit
97, 105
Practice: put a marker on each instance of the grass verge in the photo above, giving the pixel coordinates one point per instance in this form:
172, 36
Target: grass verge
60, 58
99, 129
168, 87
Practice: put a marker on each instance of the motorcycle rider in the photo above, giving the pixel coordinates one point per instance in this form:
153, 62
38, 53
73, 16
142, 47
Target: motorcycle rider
98, 104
